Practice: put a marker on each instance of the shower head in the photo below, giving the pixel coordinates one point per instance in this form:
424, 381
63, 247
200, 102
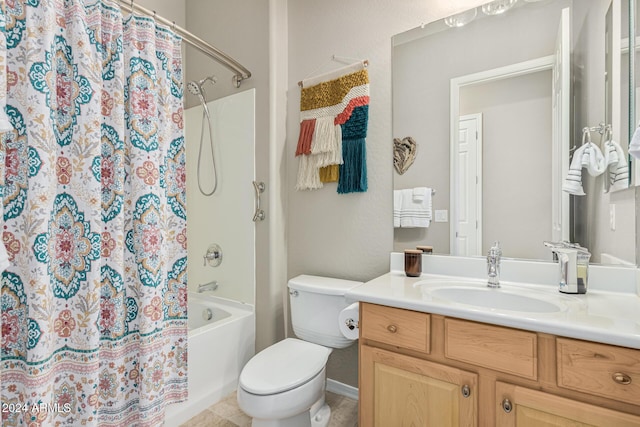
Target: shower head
195, 87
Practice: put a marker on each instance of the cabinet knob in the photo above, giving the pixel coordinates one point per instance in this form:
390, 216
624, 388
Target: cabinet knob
621, 378
392, 328
506, 405
466, 391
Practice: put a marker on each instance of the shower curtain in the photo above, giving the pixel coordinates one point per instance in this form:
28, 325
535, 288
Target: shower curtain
93, 303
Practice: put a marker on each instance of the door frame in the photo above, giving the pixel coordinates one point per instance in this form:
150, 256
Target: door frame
500, 73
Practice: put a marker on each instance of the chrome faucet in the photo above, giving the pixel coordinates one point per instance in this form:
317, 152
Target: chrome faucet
493, 265
211, 286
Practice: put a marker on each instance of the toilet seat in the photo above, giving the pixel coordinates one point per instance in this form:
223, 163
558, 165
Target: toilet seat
283, 366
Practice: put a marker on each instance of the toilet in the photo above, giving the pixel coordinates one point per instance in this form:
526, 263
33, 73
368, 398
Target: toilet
284, 385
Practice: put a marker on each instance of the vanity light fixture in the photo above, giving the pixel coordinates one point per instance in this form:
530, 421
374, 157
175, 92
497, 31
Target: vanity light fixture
461, 19
498, 7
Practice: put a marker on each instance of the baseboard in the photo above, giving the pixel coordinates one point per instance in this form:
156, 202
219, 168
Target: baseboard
342, 389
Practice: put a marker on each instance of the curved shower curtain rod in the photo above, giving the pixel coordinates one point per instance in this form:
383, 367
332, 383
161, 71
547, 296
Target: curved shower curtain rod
241, 73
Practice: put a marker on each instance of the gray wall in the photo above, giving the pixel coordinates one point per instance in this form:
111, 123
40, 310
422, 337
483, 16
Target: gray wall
248, 31
516, 160
317, 232
348, 236
423, 64
591, 212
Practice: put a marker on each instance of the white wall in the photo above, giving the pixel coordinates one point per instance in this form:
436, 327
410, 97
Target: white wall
225, 217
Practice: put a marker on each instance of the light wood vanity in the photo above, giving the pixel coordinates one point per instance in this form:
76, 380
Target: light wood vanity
422, 369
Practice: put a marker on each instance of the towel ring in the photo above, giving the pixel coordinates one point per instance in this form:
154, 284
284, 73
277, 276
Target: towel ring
608, 131
586, 136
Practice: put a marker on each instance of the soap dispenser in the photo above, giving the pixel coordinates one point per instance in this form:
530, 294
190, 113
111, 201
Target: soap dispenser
574, 266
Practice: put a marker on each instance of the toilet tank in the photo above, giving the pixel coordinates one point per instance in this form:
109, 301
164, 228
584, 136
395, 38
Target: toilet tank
315, 304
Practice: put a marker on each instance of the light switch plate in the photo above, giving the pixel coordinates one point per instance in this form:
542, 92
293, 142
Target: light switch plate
442, 215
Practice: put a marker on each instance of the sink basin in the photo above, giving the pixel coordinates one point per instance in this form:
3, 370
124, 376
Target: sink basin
476, 293
494, 298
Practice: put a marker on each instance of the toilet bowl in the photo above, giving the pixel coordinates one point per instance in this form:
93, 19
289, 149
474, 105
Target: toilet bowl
284, 384
280, 384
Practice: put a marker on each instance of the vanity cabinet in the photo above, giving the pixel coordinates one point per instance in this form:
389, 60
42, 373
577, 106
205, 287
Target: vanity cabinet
524, 407
407, 391
422, 369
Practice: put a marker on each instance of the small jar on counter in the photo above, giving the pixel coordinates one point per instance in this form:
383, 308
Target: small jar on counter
413, 262
425, 249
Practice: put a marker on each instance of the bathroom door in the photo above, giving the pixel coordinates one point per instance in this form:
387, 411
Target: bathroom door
468, 187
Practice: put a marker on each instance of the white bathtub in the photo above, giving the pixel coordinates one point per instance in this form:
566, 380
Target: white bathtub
218, 349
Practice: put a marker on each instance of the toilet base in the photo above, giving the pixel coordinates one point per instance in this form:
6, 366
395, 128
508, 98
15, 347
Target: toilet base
322, 417
318, 416
300, 420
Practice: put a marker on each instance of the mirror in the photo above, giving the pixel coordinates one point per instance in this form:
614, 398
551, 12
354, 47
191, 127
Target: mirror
514, 89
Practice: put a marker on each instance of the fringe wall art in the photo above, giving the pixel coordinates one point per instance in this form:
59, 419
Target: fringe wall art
334, 112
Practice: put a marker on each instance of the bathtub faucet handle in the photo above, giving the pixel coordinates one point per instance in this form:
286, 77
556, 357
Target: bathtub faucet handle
213, 256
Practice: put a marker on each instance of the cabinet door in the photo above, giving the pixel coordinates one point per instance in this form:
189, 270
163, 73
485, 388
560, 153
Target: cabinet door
523, 407
399, 390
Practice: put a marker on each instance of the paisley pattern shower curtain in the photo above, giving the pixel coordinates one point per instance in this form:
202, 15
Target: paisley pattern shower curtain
93, 305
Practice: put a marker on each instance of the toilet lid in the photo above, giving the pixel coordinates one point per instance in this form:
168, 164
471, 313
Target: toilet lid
283, 366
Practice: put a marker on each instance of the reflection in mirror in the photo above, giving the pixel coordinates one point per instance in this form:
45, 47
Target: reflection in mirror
496, 108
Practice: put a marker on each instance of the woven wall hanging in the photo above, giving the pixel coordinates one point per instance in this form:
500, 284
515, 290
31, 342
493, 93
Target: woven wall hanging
334, 113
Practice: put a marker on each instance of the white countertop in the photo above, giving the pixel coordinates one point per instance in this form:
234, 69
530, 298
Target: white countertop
600, 316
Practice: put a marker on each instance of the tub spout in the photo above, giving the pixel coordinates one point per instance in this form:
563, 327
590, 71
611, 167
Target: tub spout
211, 286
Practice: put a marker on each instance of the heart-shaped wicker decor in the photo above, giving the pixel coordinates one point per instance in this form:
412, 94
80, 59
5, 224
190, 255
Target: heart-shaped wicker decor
404, 153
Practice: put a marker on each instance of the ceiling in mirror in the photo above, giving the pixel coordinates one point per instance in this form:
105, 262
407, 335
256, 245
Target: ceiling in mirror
514, 82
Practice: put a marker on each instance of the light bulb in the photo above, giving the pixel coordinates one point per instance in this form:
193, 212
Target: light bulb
497, 7
461, 19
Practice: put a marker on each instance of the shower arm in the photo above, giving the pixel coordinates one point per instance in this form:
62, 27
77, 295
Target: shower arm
241, 73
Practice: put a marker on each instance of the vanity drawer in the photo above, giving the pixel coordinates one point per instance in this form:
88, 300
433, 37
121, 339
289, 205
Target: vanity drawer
599, 369
395, 326
502, 349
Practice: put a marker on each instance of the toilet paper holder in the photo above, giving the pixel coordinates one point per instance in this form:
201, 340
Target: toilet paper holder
351, 324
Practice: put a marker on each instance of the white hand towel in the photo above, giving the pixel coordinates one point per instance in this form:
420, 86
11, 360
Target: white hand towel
415, 214
397, 207
573, 180
593, 159
419, 193
634, 145
617, 168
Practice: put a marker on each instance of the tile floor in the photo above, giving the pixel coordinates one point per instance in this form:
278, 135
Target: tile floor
344, 413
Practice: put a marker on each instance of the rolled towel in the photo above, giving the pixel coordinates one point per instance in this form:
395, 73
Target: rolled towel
617, 168
573, 180
593, 159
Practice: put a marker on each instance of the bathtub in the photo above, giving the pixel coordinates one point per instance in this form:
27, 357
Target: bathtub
221, 342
